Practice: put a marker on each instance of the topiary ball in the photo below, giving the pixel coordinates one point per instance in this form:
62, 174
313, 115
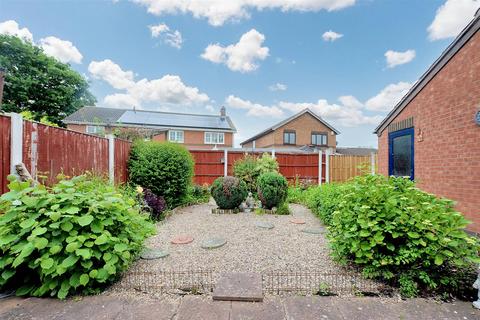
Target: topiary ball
229, 192
272, 189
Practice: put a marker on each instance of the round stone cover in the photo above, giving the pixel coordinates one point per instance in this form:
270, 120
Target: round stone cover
313, 230
213, 243
297, 221
182, 240
264, 225
153, 253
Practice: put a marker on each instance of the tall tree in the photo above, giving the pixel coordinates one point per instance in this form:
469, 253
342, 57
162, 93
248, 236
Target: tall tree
40, 84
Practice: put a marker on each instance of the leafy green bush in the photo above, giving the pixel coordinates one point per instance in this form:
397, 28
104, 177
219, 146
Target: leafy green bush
229, 192
163, 167
295, 195
272, 189
392, 229
323, 200
283, 209
250, 168
196, 194
75, 237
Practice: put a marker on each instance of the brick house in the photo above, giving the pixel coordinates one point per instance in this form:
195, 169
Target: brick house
433, 133
304, 129
195, 131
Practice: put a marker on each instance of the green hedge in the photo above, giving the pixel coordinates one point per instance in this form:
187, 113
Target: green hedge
250, 168
163, 167
75, 237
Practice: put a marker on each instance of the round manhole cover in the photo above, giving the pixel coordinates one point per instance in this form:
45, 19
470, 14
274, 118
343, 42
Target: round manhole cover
297, 221
182, 240
313, 230
152, 253
264, 225
213, 243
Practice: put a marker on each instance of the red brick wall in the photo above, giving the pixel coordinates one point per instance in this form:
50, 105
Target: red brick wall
447, 161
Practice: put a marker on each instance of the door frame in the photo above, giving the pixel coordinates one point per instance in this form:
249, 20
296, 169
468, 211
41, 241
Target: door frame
399, 133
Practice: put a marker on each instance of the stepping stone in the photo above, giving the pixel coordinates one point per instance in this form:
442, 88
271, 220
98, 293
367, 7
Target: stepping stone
313, 230
182, 240
152, 253
213, 243
264, 225
297, 221
239, 286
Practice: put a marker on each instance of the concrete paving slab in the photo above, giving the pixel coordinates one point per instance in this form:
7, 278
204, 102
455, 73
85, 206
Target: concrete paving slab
156, 310
368, 308
201, 308
432, 310
268, 310
239, 286
311, 308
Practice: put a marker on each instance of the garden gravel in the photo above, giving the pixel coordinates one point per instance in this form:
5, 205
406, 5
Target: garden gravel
247, 248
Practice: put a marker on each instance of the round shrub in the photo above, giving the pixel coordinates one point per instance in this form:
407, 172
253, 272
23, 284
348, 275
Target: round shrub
229, 192
164, 168
395, 231
272, 189
75, 237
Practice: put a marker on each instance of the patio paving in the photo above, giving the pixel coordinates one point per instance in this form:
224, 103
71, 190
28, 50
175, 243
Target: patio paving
203, 308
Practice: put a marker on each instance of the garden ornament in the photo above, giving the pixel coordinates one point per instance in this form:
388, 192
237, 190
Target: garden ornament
250, 202
476, 285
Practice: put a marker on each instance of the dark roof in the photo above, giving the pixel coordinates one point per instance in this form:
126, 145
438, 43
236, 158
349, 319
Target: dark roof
111, 116
95, 115
444, 58
356, 151
281, 123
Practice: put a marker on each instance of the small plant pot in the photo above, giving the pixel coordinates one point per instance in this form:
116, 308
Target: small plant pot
225, 211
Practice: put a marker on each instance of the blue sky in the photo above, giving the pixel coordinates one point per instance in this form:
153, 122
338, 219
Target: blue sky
348, 60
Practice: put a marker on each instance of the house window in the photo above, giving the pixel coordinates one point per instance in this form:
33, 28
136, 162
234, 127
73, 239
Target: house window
319, 139
214, 138
95, 129
289, 137
175, 136
401, 153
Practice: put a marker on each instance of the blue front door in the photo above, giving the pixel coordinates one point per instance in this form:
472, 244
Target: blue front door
401, 153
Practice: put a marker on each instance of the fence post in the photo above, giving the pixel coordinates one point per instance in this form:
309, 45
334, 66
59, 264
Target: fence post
319, 167
273, 153
16, 142
225, 162
372, 163
111, 158
327, 166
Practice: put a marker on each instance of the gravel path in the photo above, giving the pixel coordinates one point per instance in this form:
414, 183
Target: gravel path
248, 247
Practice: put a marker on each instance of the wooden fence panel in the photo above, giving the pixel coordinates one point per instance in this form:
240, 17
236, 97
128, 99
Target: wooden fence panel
208, 165
4, 152
343, 168
122, 153
48, 151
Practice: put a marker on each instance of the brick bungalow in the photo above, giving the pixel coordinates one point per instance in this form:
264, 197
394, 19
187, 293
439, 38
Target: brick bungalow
304, 129
195, 131
433, 133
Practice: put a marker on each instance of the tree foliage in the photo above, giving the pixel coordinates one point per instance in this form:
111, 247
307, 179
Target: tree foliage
40, 84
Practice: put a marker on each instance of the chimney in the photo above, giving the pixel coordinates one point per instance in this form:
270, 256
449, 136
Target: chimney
2, 81
223, 112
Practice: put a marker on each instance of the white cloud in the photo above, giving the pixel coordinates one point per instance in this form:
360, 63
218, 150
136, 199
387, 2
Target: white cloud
451, 18
60, 49
167, 90
396, 58
242, 56
171, 37
331, 36
386, 99
278, 87
349, 112
219, 11
110, 72
11, 28
253, 109
210, 108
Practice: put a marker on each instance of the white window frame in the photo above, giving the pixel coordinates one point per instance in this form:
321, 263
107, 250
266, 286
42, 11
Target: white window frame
179, 136
209, 137
94, 129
